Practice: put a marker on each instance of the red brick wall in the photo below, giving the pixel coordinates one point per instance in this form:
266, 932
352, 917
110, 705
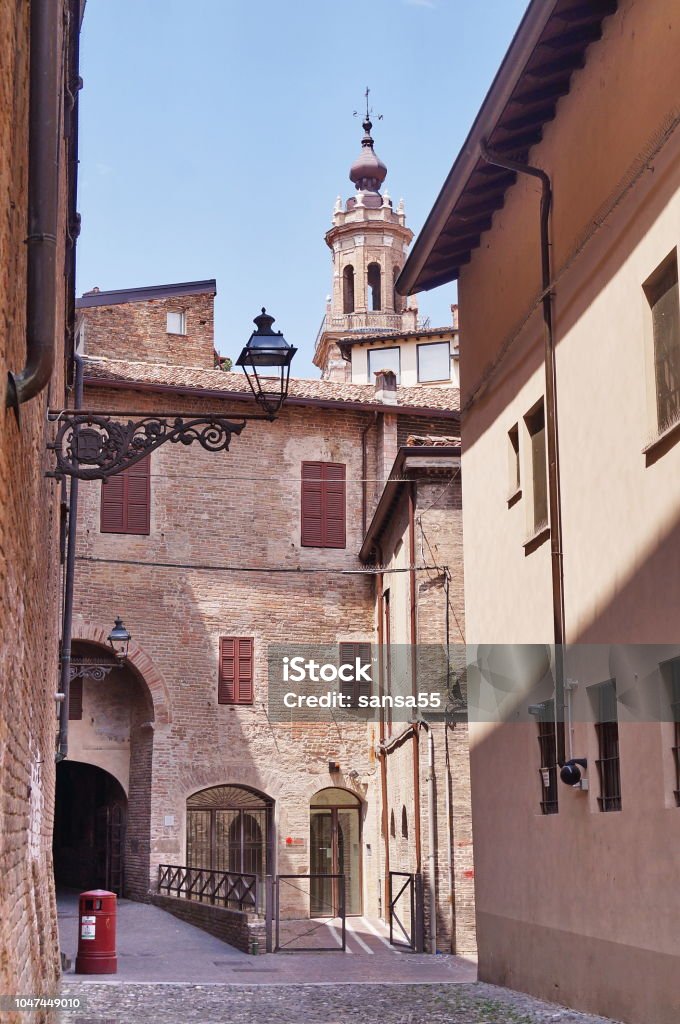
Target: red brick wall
138, 331
29, 572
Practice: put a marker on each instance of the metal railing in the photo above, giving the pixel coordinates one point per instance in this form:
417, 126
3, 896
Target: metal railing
219, 888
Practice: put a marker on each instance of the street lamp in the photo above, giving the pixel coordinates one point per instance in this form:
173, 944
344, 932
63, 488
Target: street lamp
266, 363
119, 639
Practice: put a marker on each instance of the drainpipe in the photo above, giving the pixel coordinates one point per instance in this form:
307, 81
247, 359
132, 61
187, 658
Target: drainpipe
67, 623
364, 470
43, 204
431, 840
383, 752
555, 499
414, 680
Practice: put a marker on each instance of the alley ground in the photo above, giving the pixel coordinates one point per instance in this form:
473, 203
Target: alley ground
172, 973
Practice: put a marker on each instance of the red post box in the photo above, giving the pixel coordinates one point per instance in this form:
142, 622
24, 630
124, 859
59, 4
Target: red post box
97, 933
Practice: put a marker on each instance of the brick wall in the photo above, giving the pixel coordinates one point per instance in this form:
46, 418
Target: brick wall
138, 330
29, 570
232, 926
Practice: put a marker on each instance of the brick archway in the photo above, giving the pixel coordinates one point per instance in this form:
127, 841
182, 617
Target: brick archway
139, 661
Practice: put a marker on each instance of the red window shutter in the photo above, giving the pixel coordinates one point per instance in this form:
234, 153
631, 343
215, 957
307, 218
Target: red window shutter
235, 684
334, 506
323, 505
354, 688
312, 498
75, 700
126, 500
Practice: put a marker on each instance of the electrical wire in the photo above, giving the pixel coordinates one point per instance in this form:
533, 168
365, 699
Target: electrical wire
294, 570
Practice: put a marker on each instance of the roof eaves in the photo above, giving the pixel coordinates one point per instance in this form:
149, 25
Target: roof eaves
156, 291
548, 79
392, 489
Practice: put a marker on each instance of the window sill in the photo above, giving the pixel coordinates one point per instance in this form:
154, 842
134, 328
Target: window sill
514, 497
536, 540
661, 443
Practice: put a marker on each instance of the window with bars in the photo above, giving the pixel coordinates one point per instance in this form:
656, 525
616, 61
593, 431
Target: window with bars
228, 830
126, 500
547, 743
235, 683
607, 729
350, 654
323, 505
661, 290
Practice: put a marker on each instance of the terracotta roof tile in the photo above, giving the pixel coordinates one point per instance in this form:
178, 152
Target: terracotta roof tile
446, 400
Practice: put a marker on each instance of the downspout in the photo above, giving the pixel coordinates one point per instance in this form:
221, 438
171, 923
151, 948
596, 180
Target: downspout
364, 470
383, 752
431, 840
43, 204
414, 681
554, 493
67, 622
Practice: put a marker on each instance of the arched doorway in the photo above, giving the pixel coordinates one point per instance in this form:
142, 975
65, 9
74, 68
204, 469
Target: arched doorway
229, 828
335, 849
89, 828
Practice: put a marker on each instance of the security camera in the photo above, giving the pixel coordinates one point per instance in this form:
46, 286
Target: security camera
571, 773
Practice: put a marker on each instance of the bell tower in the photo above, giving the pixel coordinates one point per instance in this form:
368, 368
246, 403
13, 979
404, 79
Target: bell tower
369, 243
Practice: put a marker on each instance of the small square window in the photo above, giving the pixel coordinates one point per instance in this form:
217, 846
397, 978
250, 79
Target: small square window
434, 362
384, 359
177, 323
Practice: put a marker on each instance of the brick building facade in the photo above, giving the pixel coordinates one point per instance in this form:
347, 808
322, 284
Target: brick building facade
226, 558
36, 287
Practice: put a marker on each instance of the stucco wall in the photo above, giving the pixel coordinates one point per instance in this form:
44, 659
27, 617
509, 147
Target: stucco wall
579, 906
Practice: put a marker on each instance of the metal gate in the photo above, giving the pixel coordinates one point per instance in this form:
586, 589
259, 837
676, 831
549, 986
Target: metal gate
109, 843
309, 913
405, 902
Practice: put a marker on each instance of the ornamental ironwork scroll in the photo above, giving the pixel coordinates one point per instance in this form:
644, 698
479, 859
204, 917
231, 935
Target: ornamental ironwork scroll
97, 445
90, 668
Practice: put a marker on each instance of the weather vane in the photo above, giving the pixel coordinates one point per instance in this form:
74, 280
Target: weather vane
369, 112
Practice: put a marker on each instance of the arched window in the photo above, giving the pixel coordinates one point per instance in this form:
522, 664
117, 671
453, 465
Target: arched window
404, 822
397, 298
374, 285
228, 829
348, 289
393, 827
335, 849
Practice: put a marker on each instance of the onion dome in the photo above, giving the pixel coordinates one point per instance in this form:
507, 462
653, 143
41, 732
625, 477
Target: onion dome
368, 171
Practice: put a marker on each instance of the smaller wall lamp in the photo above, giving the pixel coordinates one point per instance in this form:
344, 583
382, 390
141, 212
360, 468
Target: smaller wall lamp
119, 639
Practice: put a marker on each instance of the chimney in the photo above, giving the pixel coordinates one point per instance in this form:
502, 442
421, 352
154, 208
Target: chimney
454, 316
386, 387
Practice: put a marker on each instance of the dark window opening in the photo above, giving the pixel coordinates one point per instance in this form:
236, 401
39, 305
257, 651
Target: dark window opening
397, 298
662, 294
513, 460
608, 765
75, 699
547, 742
393, 827
348, 290
535, 421
404, 823
674, 668
374, 286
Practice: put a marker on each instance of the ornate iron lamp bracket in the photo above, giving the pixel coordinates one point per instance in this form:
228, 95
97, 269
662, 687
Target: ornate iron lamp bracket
97, 445
90, 668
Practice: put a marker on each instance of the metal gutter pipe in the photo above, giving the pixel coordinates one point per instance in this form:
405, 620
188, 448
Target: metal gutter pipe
383, 752
67, 620
554, 493
43, 204
414, 670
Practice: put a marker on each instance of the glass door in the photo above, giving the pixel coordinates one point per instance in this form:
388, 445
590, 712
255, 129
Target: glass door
321, 863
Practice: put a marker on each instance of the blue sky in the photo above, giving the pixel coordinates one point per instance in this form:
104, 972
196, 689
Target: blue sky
215, 136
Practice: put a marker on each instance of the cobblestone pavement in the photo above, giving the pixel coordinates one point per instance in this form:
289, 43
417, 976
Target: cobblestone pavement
129, 1003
